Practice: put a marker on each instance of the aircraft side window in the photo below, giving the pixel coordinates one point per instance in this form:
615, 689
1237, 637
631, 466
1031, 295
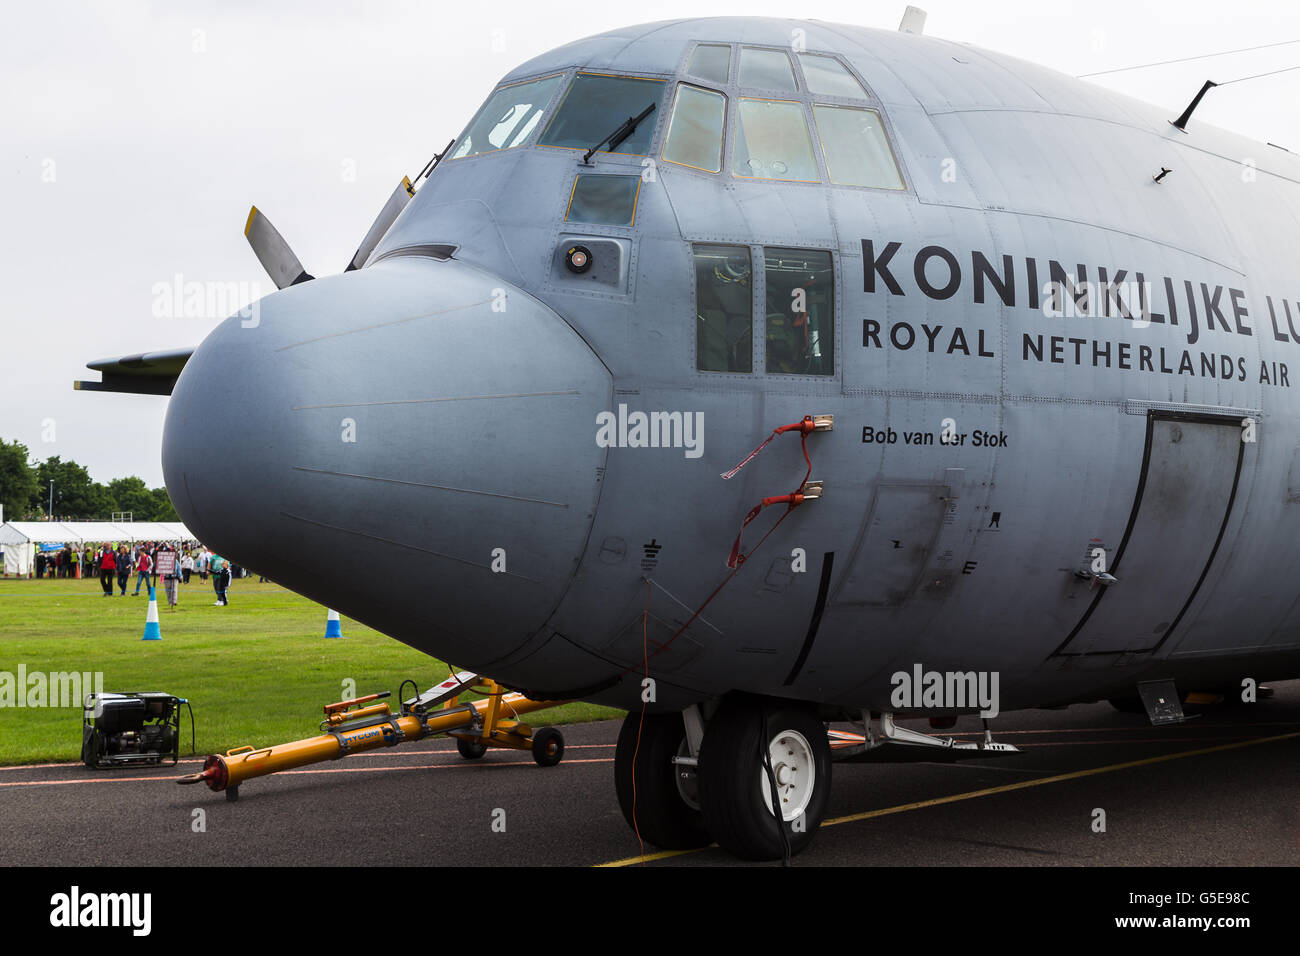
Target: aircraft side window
604, 200
695, 130
800, 311
772, 142
507, 118
766, 69
827, 76
856, 148
711, 61
724, 311
595, 106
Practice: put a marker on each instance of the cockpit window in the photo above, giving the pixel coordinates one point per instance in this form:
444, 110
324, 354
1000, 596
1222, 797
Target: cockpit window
507, 118
827, 76
800, 311
856, 149
766, 69
772, 142
603, 199
711, 61
724, 309
695, 131
596, 105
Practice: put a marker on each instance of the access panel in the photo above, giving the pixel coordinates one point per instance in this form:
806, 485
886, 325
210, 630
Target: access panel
894, 546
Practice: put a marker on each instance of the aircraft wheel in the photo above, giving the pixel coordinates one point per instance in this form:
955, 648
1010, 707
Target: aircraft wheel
735, 794
548, 747
470, 749
666, 796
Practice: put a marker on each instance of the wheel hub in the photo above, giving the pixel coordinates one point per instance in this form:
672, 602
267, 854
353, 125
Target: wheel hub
795, 772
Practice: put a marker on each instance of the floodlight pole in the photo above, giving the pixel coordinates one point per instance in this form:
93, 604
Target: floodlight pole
51, 512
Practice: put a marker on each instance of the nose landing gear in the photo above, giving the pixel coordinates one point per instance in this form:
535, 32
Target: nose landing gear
658, 797
683, 801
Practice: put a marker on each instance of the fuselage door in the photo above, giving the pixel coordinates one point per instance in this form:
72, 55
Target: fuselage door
1190, 469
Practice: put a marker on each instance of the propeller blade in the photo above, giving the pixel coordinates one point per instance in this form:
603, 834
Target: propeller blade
273, 252
392, 209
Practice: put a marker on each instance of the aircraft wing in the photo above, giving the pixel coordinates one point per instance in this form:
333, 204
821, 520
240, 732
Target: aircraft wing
150, 373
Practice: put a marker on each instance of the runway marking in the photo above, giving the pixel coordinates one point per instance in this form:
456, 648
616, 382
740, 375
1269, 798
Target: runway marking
467, 765
990, 791
1114, 743
1114, 730
55, 783
651, 857
449, 751
1057, 778
463, 765
368, 753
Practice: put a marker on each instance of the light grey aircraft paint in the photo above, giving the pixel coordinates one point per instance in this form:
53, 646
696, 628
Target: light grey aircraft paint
372, 438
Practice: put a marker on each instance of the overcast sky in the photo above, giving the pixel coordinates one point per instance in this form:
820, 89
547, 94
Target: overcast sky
136, 135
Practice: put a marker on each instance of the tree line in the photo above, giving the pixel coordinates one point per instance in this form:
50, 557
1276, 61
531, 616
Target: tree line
25, 491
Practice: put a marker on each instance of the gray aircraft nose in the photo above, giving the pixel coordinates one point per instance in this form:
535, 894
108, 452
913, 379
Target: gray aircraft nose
412, 444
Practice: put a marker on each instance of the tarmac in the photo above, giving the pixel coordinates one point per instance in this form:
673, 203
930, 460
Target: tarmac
1222, 789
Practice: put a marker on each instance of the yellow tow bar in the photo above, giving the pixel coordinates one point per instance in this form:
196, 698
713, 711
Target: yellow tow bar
352, 727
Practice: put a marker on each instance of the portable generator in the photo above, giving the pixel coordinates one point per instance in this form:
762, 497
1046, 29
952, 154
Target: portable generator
131, 728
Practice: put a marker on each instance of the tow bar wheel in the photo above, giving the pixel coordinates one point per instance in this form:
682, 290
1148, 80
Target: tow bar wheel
548, 747
470, 748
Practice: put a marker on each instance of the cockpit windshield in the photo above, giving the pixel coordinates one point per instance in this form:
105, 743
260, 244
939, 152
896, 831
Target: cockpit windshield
595, 106
507, 118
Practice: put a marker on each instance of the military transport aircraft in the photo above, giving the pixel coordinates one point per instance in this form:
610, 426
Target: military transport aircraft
1026, 351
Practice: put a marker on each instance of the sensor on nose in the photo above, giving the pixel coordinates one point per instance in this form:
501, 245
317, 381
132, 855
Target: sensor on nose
578, 259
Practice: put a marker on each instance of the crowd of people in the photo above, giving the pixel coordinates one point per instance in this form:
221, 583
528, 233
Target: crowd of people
114, 563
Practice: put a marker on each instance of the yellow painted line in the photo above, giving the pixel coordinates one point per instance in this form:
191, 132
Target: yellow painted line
1006, 788
1074, 775
649, 857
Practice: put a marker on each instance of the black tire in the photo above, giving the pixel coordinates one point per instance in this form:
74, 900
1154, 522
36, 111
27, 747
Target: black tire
548, 747
471, 749
731, 775
662, 814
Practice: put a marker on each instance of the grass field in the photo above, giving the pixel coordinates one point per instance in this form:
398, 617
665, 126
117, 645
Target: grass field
256, 672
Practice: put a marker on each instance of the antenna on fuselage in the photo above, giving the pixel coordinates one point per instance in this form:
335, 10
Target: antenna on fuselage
1182, 120
913, 21
1180, 124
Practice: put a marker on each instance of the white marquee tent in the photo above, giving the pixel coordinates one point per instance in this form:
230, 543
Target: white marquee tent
20, 539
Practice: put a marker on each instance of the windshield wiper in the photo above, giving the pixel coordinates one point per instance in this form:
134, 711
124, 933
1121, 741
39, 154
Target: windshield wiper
623, 132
